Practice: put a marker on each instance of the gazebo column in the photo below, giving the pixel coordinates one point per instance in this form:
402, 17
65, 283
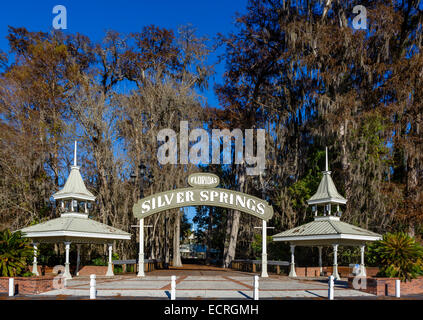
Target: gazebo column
110, 265
292, 272
78, 259
141, 250
264, 251
362, 267
67, 274
335, 262
320, 260
34, 262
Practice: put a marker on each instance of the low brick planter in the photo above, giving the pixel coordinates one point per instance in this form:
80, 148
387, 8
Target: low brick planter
31, 285
97, 270
386, 286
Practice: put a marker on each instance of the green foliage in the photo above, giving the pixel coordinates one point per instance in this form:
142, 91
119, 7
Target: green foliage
118, 268
301, 190
348, 255
47, 256
275, 250
103, 261
398, 255
98, 262
15, 252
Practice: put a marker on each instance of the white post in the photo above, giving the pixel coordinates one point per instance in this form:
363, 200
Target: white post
67, 274
320, 260
110, 264
397, 288
362, 267
292, 272
173, 288
331, 287
78, 259
93, 291
256, 287
141, 251
264, 251
34, 263
335, 262
11, 287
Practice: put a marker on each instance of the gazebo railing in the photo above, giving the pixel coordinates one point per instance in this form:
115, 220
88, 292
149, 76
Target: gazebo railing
255, 265
149, 264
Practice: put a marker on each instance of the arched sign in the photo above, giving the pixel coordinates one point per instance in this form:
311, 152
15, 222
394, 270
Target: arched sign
202, 193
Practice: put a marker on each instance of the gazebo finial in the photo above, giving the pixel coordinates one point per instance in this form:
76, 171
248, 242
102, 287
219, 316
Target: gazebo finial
74, 154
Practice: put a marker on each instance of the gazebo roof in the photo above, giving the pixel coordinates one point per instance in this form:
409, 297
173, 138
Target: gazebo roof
326, 192
326, 230
74, 227
74, 188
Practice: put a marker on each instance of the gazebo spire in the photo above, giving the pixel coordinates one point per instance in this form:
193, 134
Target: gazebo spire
74, 154
74, 188
326, 194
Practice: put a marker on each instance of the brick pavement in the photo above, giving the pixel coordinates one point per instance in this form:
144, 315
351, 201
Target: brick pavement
201, 282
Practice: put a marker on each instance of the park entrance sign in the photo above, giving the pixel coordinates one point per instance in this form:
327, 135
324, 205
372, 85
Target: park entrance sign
203, 192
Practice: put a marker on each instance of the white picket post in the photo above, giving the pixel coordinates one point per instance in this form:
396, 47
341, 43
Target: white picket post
397, 288
331, 288
11, 287
256, 287
93, 291
173, 288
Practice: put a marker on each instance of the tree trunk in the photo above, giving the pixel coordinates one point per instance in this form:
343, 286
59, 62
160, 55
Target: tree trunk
209, 235
229, 253
176, 241
412, 182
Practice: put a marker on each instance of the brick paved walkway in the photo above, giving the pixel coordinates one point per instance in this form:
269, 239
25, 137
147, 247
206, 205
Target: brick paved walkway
201, 282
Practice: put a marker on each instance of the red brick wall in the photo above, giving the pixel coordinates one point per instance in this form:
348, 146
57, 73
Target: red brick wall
30, 285
386, 286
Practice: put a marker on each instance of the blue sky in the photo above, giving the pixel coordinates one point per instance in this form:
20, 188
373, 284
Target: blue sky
93, 18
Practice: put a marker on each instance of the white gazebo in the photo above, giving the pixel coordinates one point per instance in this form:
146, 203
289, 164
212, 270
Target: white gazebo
74, 225
327, 229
